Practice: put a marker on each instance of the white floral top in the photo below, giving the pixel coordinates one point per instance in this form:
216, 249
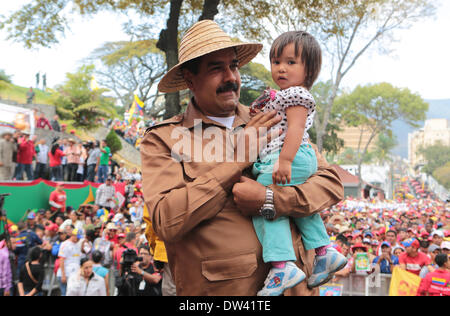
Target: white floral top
280, 100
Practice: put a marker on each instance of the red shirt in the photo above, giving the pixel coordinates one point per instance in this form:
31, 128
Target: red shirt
26, 152
435, 283
55, 160
42, 122
58, 198
414, 264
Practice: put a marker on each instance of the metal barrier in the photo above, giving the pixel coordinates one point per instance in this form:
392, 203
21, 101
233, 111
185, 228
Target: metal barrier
376, 284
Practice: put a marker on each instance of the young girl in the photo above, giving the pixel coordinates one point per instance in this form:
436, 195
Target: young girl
289, 160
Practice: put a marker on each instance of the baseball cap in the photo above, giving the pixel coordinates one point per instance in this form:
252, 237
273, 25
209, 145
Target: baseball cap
122, 235
438, 232
445, 245
433, 247
385, 243
32, 215
52, 227
411, 242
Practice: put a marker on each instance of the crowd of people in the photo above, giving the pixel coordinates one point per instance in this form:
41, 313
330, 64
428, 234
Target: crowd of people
84, 246
25, 157
411, 234
131, 132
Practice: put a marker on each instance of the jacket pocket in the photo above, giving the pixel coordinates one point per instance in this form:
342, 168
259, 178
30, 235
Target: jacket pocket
241, 266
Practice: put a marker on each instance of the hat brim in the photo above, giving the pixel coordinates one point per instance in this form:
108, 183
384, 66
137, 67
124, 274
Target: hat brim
173, 81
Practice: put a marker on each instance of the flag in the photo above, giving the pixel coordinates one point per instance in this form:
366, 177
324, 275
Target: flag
139, 104
404, 283
94, 85
131, 112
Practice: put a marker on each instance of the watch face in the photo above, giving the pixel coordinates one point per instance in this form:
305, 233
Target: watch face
268, 213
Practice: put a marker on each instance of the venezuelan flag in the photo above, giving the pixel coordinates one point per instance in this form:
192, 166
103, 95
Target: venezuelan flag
438, 281
139, 104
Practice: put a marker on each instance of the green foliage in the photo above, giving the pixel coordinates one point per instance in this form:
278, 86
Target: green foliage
442, 175
113, 142
74, 100
332, 144
4, 77
383, 146
436, 156
255, 78
129, 66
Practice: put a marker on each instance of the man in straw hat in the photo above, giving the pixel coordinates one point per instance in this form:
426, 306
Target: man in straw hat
202, 208
7, 149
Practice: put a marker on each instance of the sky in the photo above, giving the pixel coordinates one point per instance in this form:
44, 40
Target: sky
420, 61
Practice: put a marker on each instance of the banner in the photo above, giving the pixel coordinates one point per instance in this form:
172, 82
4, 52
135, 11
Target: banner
362, 262
35, 194
404, 283
331, 289
14, 118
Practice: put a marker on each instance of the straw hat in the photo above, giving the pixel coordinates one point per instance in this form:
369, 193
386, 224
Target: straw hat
201, 39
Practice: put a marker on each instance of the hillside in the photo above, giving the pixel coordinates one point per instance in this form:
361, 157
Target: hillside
18, 94
437, 109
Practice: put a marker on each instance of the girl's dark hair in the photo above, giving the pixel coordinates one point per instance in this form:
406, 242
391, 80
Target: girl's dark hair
34, 254
311, 54
83, 261
54, 148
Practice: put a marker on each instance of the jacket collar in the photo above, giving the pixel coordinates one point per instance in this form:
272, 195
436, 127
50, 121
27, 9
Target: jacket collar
193, 112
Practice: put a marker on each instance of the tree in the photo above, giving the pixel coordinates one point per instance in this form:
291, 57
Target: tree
75, 101
113, 142
332, 144
436, 156
442, 175
384, 144
373, 108
255, 78
126, 67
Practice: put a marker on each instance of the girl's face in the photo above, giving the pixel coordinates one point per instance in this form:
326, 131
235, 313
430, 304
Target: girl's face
288, 69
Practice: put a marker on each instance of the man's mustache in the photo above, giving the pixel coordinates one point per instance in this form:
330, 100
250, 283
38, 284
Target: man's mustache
229, 86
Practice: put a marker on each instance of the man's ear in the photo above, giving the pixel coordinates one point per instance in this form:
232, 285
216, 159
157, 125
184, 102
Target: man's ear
188, 78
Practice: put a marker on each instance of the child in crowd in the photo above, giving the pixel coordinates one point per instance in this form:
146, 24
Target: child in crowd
290, 160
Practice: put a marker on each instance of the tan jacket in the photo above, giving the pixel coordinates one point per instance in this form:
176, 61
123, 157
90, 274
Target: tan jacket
211, 246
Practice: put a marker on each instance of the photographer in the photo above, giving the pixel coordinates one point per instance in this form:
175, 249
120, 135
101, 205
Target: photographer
150, 284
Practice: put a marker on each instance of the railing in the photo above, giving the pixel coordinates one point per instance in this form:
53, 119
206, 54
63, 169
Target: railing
376, 284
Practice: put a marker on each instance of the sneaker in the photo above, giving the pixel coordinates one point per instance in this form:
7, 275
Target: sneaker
280, 280
325, 266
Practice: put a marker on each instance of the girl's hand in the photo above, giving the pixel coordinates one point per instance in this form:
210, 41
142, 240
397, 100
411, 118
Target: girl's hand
282, 172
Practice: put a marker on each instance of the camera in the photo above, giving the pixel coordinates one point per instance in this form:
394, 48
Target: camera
129, 257
128, 282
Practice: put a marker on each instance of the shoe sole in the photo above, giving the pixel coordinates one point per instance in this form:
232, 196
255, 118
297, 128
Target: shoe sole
330, 276
289, 285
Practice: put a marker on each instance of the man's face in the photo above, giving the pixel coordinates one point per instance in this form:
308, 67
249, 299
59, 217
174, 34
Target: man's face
146, 257
386, 251
216, 87
412, 251
390, 238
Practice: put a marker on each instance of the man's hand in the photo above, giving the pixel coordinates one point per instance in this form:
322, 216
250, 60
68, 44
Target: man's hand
249, 196
255, 136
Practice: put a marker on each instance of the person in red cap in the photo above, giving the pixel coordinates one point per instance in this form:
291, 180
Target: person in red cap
412, 260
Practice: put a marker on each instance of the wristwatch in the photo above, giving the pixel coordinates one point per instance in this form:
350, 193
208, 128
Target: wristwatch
268, 209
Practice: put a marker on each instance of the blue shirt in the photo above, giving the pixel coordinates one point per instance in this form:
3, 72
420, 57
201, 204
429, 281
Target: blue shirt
384, 264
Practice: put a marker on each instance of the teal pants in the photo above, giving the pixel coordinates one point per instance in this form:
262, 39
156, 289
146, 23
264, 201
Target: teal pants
275, 236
